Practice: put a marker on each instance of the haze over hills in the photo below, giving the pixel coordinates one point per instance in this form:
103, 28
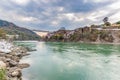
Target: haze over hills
41, 33
23, 33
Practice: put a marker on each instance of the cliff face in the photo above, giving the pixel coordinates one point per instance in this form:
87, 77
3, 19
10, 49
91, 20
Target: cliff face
86, 34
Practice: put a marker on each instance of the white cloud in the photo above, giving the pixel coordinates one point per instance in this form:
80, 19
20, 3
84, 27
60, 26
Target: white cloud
75, 17
54, 23
97, 1
21, 2
115, 17
115, 5
27, 19
41, 2
112, 11
56, 15
96, 15
70, 16
60, 9
13, 16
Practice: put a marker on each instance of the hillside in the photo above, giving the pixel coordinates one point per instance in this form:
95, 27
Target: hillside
12, 29
97, 34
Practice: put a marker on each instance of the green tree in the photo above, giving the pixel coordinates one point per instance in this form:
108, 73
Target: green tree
118, 22
106, 23
2, 34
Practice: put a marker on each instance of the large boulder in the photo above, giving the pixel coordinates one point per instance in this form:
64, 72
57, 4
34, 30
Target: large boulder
2, 55
23, 65
3, 59
16, 73
2, 65
13, 63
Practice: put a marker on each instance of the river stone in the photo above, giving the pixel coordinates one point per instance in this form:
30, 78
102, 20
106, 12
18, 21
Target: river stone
8, 56
3, 59
15, 78
18, 54
23, 65
2, 65
15, 73
25, 54
2, 55
11, 69
8, 60
15, 58
13, 63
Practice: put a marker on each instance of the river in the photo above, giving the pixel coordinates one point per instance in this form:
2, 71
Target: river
72, 61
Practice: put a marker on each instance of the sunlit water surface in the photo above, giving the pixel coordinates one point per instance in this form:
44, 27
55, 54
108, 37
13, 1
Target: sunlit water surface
72, 61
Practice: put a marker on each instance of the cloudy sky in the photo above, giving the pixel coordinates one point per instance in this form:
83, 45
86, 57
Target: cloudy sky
53, 14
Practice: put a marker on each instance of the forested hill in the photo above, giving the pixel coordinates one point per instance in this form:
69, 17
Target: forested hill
12, 29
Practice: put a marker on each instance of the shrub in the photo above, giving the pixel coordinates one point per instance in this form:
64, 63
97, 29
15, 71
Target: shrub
2, 74
108, 24
106, 36
118, 22
2, 34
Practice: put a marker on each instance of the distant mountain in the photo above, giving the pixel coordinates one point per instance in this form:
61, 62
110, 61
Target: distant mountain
12, 29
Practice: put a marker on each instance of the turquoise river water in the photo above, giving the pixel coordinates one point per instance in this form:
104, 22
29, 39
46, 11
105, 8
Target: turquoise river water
72, 61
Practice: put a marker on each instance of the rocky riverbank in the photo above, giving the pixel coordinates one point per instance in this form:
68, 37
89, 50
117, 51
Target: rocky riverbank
10, 56
86, 35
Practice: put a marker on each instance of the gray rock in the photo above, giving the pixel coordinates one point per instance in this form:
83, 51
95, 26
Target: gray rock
3, 59
15, 58
11, 69
13, 63
16, 73
8, 56
2, 65
2, 55
8, 60
23, 65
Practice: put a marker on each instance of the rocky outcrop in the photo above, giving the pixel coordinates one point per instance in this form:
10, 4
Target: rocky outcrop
10, 62
86, 34
2, 65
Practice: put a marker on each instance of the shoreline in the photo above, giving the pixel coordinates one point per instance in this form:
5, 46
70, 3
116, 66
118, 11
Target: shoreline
10, 62
27, 41
111, 43
108, 43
